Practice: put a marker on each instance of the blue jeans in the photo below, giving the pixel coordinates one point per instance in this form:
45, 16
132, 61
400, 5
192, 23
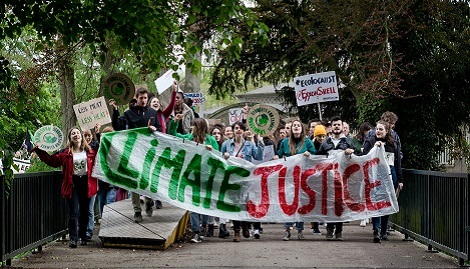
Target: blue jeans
91, 216
78, 207
105, 197
196, 219
299, 226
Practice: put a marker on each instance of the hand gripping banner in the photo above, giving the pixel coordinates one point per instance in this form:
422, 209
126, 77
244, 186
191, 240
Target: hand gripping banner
298, 188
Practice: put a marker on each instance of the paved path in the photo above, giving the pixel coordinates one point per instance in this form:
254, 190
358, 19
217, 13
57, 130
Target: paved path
356, 251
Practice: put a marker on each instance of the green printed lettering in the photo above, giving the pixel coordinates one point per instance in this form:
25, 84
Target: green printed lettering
194, 167
227, 186
128, 146
144, 179
110, 175
215, 164
166, 161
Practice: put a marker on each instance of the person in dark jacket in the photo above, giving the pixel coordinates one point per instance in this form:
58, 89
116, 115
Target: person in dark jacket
334, 144
383, 137
137, 116
78, 186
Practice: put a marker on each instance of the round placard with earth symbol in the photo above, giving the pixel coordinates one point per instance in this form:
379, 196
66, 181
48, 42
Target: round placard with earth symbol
49, 138
263, 119
118, 87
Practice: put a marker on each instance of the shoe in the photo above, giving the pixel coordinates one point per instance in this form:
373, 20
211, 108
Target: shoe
256, 234
287, 236
316, 232
329, 234
202, 232
158, 204
236, 237
376, 236
339, 236
196, 239
300, 235
246, 233
363, 223
88, 237
137, 217
149, 209
210, 230
73, 243
82, 242
223, 233
384, 237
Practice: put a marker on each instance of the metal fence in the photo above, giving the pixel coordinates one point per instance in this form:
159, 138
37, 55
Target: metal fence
434, 209
33, 214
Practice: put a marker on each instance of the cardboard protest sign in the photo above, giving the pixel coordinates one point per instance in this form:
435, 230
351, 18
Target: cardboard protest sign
263, 119
49, 138
165, 81
234, 115
92, 112
298, 188
22, 165
316, 88
268, 154
118, 87
197, 98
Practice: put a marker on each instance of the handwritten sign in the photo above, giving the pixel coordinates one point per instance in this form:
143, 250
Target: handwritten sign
197, 98
234, 115
22, 165
92, 112
316, 88
49, 138
298, 188
268, 154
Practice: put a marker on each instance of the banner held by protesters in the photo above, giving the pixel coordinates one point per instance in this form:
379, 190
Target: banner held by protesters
298, 188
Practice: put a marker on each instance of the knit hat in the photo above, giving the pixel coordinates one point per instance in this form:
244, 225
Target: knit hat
319, 130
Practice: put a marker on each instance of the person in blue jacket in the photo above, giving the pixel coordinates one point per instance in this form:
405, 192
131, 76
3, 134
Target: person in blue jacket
243, 145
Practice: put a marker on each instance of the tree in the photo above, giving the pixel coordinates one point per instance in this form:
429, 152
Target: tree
406, 56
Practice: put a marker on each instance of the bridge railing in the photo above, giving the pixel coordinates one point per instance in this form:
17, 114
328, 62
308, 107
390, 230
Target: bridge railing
33, 214
434, 209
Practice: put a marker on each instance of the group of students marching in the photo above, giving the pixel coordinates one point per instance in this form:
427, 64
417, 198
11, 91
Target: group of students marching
235, 141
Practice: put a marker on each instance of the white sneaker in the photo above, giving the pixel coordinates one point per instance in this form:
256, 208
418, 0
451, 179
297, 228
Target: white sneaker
363, 223
256, 234
287, 236
196, 239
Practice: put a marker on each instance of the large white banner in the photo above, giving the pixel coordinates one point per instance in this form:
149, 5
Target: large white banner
316, 88
297, 188
92, 112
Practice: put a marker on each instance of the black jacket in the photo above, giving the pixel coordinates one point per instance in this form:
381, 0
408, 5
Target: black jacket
393, 148
327, 145
135, 117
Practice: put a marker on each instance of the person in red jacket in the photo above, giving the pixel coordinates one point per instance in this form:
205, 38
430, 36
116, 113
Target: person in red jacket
78, 186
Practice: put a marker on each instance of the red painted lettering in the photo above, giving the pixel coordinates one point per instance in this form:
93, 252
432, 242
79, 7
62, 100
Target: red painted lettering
368, 186
306, 188
259, 211
289, 209
353, 205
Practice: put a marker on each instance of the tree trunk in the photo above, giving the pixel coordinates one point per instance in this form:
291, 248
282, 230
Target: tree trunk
192, 82
65, 75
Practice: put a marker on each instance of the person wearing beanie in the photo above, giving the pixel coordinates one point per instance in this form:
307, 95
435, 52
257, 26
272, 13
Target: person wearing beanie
319, 131
319, 135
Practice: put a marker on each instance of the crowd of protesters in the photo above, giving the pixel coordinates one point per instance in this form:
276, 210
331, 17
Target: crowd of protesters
294, 137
